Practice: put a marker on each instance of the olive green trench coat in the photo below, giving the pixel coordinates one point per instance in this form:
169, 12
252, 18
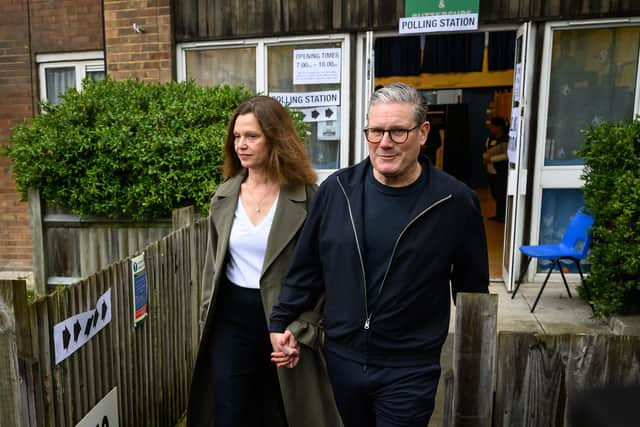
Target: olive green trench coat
306, 392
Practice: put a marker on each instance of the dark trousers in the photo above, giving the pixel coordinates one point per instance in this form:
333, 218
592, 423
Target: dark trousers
376, 396
498, 186
245, 382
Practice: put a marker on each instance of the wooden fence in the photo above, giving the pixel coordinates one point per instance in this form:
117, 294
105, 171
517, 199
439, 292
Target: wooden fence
525, 379
150, 364
67, 247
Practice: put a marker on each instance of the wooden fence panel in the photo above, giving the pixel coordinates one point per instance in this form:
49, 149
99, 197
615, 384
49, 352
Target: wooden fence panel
11, 403
33, 376
64, 369
539, 377
77, 390
600, 361
155, 367
474, 358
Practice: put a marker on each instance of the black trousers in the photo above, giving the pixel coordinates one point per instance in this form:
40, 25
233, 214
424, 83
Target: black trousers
377, 396
245, 382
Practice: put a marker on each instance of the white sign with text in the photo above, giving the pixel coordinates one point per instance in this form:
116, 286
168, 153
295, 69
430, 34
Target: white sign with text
307, 99
316, 66
438, 23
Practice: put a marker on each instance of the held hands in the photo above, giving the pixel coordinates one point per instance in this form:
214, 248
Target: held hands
286, 349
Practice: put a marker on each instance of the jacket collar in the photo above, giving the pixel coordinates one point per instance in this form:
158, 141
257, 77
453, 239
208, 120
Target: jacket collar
290, 214
437, 187
288, 219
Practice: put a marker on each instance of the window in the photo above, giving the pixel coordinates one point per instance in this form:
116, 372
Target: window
59, 72
317, 83
232, 66
593, 79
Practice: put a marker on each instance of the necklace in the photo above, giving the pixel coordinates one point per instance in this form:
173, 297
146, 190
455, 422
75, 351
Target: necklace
258, 204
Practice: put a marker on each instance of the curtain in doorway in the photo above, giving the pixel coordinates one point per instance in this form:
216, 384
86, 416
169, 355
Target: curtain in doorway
501, 50
397, 56
453, 53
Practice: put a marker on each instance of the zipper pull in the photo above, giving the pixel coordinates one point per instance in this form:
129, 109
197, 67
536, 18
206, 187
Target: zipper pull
366, 323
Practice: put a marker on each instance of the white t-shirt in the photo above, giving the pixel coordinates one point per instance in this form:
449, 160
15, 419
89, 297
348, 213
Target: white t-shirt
247, 246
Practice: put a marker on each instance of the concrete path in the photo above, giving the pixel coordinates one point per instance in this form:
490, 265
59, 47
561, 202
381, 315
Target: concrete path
555, 313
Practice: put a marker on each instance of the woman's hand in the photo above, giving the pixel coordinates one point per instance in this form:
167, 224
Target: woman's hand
286, 349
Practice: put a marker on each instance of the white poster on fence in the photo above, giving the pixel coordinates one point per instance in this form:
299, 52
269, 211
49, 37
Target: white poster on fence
72, 333
316, 66
104, 414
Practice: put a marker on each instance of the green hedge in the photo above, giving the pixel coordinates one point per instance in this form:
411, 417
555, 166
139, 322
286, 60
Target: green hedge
612, 195
127, 148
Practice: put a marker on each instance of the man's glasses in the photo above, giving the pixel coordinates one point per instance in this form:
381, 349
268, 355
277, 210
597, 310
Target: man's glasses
399, 136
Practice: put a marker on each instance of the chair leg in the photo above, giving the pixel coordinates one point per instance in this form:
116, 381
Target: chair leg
564, 279
543, 285
524, 270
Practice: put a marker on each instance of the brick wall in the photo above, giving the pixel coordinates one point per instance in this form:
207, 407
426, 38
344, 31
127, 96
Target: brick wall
16, 103
147, 55
55, 26
66, 25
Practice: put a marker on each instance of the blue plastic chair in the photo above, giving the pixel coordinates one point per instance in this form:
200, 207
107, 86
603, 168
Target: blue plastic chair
574, 247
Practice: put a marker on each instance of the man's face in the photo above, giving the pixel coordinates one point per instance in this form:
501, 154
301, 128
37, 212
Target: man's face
396, 165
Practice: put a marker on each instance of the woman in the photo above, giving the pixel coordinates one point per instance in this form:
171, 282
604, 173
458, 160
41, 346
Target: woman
495, 159
254, 221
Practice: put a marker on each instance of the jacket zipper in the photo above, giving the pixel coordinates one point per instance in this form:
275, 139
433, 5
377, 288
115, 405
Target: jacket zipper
367, 322
355, 234
393, 252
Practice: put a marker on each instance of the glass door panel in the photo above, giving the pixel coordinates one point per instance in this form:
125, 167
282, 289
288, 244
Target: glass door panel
321, 102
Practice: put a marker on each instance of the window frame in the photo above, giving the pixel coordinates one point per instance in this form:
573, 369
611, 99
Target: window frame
261, 46
560, 176
81, 61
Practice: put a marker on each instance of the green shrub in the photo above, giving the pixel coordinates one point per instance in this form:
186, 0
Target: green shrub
612, 195
127, 148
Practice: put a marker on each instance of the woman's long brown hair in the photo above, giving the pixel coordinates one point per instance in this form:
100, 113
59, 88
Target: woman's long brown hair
288, 162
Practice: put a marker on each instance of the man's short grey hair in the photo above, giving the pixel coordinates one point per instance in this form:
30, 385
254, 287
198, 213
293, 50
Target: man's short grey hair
401, 93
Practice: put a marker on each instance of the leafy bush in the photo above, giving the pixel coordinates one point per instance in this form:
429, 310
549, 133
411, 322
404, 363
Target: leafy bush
612, 195
127, 148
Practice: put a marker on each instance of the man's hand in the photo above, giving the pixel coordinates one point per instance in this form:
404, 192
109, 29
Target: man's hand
286, 349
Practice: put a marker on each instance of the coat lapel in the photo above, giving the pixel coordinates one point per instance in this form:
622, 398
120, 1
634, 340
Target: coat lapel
223, 213
290, 214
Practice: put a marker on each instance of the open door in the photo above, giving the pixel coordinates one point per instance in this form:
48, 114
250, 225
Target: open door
518, 148
364, 89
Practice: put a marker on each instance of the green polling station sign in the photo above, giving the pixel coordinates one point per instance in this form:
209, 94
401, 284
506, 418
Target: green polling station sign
427, 16
440, 7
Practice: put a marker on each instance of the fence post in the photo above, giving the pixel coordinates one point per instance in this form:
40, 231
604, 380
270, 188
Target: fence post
14, 342
474, 349
182, 217
38, 240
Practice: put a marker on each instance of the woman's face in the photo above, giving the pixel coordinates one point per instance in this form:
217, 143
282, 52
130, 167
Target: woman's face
250, 143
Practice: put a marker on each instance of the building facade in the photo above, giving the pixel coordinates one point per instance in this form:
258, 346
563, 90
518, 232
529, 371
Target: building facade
569, 65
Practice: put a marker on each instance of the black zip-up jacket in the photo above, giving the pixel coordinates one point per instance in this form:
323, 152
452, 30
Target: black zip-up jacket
443, 241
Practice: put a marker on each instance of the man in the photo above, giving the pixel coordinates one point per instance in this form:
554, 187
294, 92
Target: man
382, 241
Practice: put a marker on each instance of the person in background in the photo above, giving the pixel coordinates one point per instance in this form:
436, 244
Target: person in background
497, 163
387, 242
254, 223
